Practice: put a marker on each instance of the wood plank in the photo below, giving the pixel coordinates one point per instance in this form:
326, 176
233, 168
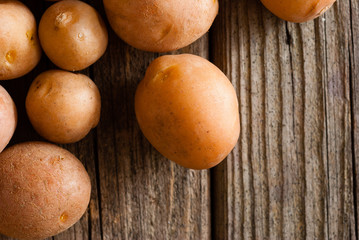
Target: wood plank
354, 77
143, 195
291, 175
341, 220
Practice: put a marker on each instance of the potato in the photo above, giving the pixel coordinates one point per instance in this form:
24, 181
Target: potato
160, 25
44, 190
8, 118
73, 35
298, 10
19, 46
188, 110
62, 106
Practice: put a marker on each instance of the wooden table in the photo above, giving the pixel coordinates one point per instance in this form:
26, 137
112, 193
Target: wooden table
292, 175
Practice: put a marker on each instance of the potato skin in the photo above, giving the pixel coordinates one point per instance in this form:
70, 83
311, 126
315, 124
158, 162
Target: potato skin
73, 35
62, 106
160, 26
8, 118
188, 110
20, 49
44, 190
298, 10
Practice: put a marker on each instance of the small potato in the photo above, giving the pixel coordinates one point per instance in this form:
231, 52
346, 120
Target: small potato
298, 10
160, 25
73, 35
44, 190
8, 118
20, 50
62, 106
188, 110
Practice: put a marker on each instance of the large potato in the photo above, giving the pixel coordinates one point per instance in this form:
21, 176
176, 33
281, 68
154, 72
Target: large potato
298, 10
19, 46
73, 35
160, 25
62, 106
188, 110
44, 190
8, 118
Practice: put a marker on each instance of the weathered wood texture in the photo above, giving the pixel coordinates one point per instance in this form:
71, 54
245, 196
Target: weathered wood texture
294, 171
291, 175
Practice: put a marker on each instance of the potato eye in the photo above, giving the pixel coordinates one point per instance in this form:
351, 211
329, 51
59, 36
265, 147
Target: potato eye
62, 19
30, 35
64, 217
81, 36
10, 56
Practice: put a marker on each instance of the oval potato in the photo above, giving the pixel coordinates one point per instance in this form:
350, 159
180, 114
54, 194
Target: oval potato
73, 35
20, 49
8, 118
63, 106
188, 110
298, 10
44, 190
160, 25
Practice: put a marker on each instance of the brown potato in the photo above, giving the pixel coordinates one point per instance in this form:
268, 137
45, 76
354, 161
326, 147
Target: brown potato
62, 106
44, 190
20, 50
8, 118
160, 25
188, 110
298, 10
73, 35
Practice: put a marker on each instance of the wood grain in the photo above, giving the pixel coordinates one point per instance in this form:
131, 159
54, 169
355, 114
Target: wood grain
291, 176
354, 77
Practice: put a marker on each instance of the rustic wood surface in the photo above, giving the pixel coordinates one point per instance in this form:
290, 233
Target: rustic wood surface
292, 175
